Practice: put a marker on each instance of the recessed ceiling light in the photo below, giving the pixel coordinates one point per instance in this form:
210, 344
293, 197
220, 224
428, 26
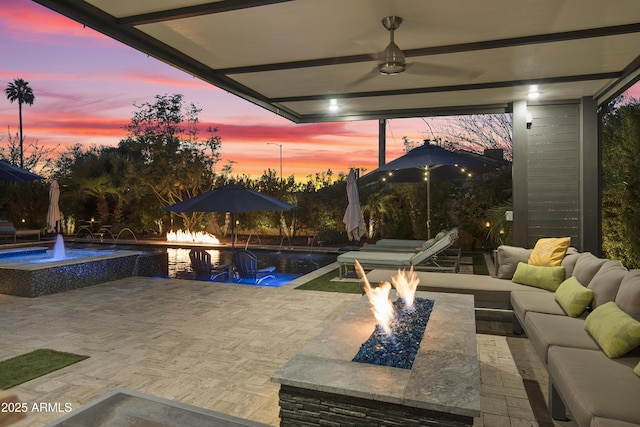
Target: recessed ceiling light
533, 92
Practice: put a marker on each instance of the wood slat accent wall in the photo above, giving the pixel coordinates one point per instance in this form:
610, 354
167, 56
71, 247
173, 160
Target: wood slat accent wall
553, 173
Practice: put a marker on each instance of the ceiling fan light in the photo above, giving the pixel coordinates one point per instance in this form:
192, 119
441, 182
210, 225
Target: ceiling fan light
394, 62
391, 68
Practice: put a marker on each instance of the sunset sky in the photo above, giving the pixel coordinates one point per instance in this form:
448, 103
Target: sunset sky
85, 85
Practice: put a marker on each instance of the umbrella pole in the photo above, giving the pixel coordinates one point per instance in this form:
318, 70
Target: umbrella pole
233, 233
428, 203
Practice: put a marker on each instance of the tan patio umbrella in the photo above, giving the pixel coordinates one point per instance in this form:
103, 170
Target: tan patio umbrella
53, 214
353, 218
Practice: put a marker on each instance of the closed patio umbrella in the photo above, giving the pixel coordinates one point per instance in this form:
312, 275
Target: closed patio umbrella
353, 218
231, 198
53, 214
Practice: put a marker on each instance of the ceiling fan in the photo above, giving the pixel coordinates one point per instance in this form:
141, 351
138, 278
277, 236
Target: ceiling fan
392, 60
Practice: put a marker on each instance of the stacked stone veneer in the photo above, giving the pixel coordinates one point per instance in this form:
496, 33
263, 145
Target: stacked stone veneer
64, 276
306, 408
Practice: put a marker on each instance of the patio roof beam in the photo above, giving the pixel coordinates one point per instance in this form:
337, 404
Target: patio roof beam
629, 77
440, 50
193, 11
408, 113
453, 88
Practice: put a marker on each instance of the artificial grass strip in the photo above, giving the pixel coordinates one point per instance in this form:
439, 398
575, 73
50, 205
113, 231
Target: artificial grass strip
479, 264
28, 366
324, 283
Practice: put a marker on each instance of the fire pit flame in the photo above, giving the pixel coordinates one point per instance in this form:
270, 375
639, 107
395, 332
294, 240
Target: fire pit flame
396, 337
379, 299
181, 236
406, 286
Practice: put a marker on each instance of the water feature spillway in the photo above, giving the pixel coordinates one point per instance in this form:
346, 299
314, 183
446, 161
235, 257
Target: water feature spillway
48, 272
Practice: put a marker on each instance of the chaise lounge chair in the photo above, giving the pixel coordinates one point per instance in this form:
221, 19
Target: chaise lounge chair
246, 267
201, 264
400, 245
426, 260
8, 230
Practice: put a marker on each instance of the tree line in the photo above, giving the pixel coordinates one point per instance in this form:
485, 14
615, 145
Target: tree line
166, 158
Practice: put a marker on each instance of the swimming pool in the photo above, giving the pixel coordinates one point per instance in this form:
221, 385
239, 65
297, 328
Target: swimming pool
285, 262
296, 263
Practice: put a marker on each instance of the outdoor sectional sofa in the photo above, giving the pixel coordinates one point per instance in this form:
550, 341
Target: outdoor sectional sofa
8, 230
595, 389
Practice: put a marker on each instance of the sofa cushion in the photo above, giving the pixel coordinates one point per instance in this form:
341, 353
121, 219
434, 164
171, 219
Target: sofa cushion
573, 297
606, 282
548, 278
427, 244
508, 259
545, 330
608, 422
593, 385
549, 252
569, 261
636, 370
616, 332
488, 291
534, 302
628, 296
587, 265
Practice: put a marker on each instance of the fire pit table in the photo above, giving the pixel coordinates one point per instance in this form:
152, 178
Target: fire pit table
321, 384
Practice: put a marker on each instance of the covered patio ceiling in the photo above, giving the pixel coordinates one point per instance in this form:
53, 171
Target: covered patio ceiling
293, 57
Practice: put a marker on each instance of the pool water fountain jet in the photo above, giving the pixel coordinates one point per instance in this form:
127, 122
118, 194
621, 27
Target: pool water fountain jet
59, 251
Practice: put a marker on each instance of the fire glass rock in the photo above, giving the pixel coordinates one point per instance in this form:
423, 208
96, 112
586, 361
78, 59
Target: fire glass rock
399, 349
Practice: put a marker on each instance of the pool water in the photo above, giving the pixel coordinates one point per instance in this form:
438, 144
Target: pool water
290, 263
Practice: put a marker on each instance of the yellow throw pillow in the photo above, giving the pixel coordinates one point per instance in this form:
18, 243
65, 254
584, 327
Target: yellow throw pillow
549, 252
636, 370
573, 297
615, 331
548, 278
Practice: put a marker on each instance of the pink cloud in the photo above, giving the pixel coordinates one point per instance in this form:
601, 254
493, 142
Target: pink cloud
283, 133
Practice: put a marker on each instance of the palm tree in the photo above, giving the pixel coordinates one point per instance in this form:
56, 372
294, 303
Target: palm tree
19, 90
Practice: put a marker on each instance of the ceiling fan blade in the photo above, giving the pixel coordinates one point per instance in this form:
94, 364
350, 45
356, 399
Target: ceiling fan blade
440, 70
370, 75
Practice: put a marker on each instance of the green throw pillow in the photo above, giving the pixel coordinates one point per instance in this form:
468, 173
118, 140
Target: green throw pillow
636, 370
573, 297
616, 332
548, 278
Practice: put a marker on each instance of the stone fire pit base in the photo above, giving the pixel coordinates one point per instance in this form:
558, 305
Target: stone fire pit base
322, 386
304, 408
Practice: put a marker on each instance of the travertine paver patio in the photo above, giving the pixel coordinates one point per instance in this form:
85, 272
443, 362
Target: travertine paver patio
215, 346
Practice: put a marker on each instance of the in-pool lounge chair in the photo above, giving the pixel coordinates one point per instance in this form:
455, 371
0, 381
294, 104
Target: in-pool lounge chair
426, 259
246, 267
201, 264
